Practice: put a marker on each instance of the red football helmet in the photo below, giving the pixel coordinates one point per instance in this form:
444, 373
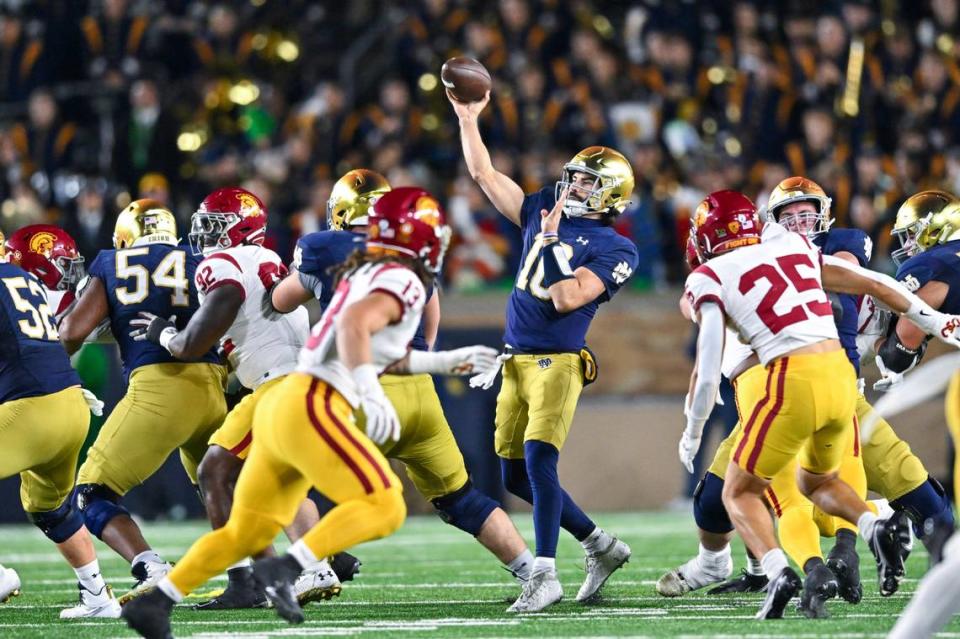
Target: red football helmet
227, 217
48, 252
723, 221
410, 221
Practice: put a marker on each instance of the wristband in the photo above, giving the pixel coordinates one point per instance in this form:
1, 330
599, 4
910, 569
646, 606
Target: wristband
166, 335
556, 266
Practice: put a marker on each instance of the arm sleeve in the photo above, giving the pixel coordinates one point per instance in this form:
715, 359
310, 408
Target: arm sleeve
404, 286
615, 267
310, 282
218, 270
709, 358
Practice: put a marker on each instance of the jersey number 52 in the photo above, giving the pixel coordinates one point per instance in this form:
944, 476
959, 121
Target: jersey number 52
40, 323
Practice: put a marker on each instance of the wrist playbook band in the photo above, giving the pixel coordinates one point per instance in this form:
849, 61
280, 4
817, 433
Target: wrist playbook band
556, 266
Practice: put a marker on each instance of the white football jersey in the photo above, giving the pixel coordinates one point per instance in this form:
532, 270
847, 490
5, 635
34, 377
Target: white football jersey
770, 293
320, 358
260, 344
735, 353
872, 323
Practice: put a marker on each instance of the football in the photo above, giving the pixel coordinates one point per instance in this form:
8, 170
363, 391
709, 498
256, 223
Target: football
465, 78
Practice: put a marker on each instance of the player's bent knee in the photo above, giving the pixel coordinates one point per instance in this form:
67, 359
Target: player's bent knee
708, 509
98, 505
58, 525
466, 508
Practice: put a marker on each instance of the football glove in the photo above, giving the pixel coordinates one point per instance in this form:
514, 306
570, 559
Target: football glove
689, 445
486, 379
382, 422
460, 361
93, 402
890, 379
154, 328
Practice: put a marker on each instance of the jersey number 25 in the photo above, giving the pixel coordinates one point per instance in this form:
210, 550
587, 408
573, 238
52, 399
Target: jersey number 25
788, 264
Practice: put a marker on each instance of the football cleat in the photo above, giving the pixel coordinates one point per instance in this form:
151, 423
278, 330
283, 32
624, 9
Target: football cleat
241, 593
9, 584
319, 584
345, 565
689, 577
846, 566
541, 591
93, 604
886, 546
276, 576
935, 536
149, 615
600, 566
744, 583
148, 574
779, 593
819, 586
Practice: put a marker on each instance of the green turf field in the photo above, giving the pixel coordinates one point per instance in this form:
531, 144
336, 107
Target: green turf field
430, 580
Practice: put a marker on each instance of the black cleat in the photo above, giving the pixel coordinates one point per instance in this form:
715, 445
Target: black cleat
276, 576
935, 536
241, 593
886, 546
149, 615
744, 583
819, 586
846, 566
779, 593
345, 565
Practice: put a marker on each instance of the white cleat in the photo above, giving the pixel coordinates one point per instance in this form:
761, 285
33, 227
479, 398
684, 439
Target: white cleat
102, 604
318, 584
148, 575
9, 584
689, 577
600, 566
542, 590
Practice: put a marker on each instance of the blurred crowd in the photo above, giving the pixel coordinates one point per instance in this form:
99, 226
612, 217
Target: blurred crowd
102, 101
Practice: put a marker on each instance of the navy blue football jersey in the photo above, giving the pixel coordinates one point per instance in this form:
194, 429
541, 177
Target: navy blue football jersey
857, 243
533, 324
32, 360
156, 278
317, 254
938, 264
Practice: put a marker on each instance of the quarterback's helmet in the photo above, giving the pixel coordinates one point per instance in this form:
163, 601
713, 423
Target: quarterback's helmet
612, 182
352, 196
227, 217
409, 221
48, 252
913, 226
144, 222
725, 220
800, 189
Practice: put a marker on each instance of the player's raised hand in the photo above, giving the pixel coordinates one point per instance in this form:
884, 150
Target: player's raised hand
152, 327
550, 220
468, 110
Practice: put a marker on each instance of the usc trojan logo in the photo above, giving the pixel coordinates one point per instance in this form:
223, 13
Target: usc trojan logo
427, 210
700, 215
42, 243
248, 205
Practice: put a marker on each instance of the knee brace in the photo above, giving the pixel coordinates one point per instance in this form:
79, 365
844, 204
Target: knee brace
58, 525
466, 508
99, 505
708, 509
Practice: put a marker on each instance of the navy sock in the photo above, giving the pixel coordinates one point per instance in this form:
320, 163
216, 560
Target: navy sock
927, 501
517, 482
541, 461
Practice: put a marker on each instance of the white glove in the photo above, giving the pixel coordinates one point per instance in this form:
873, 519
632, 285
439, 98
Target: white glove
382, 421
486, 379
93, 403
460, 361
944, 327
888, 379
689, 445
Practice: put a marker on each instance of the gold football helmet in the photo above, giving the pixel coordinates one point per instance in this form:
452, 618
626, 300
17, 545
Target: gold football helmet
144, 222
800, 189
915, 227
352, 196
612, 182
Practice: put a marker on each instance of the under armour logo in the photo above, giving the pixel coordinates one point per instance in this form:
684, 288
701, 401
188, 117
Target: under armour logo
581, 240
545, 362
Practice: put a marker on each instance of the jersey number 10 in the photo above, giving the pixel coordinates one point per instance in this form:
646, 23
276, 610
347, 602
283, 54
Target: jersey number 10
533, 284
170, 273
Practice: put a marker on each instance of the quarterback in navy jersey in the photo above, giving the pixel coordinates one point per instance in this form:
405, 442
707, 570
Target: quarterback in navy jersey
44, 420
426, 446
149, 271
572, 262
